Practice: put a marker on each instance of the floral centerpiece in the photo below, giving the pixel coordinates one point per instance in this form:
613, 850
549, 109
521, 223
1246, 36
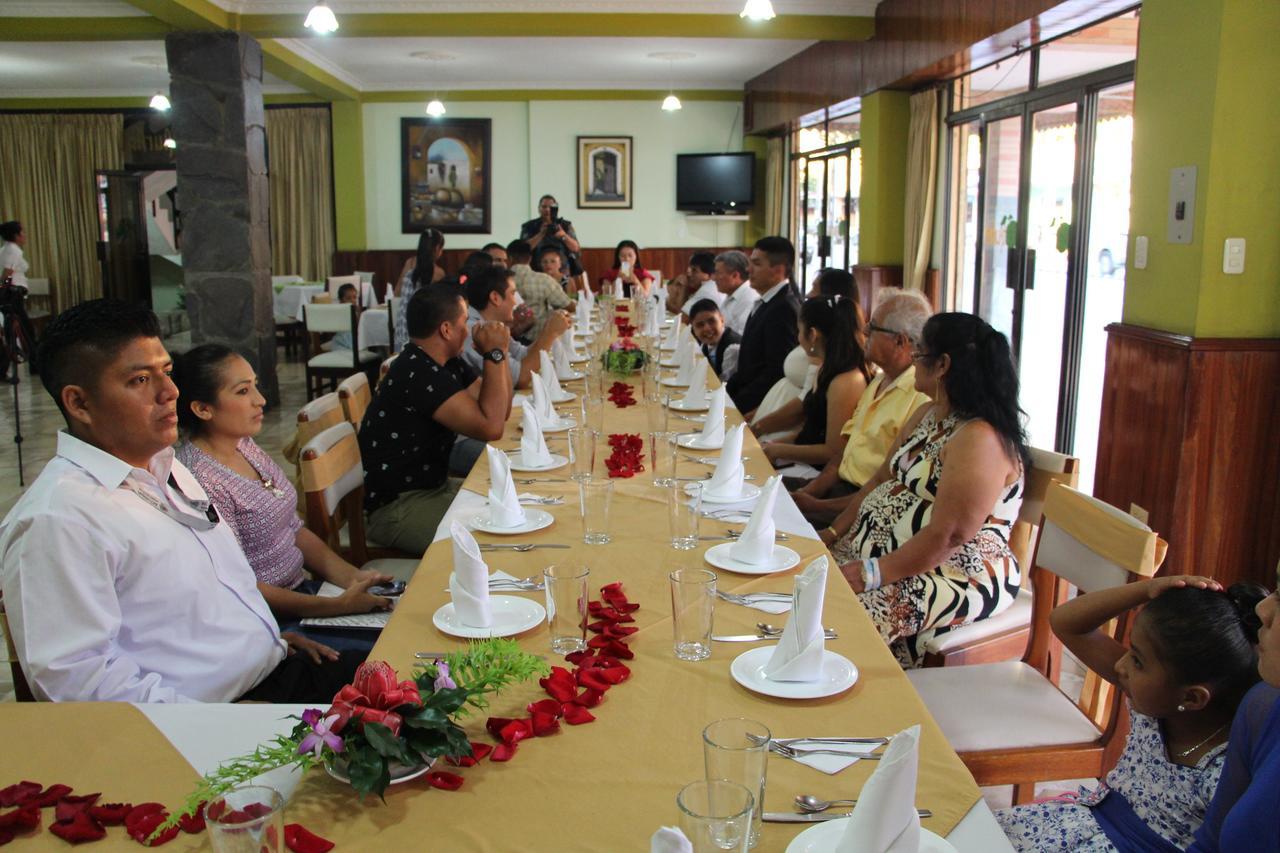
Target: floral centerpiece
378, 721
623, 357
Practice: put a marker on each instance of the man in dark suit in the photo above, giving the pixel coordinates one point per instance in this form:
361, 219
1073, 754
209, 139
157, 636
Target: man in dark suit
770, 333
719, 342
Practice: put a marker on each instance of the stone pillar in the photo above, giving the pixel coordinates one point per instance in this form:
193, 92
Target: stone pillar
218, 123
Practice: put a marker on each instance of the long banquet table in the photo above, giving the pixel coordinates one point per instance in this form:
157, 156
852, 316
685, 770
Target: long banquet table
603, 786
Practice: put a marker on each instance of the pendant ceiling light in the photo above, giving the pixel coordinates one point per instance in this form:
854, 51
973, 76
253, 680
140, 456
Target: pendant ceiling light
757, 10
671, 103
321, 18
160, 102
435, 108
170, 142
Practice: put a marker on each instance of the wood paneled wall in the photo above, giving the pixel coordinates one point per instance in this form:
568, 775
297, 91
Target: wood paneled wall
1188, 433
916, 41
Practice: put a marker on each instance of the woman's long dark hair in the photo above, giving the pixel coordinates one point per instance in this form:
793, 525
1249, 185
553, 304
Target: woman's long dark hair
982, 381
430, 244
837, 320
617, 261
198, 375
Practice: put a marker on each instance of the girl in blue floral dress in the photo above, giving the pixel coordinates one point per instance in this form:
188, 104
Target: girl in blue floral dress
1190, 660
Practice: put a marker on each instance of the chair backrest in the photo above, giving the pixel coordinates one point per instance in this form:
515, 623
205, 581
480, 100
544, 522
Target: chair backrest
287, 279
355, 396
394, 304
1046, 469
330, 318
366, 277
334, 282
386, 366
333, 479
37, 287
313, 418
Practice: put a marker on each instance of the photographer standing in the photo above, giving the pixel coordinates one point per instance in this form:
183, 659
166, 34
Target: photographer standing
13, 293
550, 230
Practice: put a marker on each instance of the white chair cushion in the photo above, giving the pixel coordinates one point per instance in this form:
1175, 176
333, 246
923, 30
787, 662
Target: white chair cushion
339, 358
1013, 617
1003, 705
401, 570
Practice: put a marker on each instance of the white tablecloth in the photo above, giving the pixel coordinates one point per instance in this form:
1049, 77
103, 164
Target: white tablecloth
288, 300
372, 329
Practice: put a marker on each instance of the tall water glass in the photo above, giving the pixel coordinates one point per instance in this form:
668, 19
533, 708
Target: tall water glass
591, 404
566, 594
716, 816
737, 749
655, 408
260, 830
582, 452
684, 511
693, 604
594, 496
662, 457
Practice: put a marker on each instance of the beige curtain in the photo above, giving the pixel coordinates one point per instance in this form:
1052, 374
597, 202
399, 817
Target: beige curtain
775, 173
47, 165
301, 178
922, 180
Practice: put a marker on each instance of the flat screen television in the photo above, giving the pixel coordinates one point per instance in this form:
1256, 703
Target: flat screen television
715, 183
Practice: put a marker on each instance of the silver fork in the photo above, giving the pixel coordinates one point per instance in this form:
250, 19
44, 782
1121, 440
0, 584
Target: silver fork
753, 597
735, 534
529, 481
524, 546
708, 460
792, 752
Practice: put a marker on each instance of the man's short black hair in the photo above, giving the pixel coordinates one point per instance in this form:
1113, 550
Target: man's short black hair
431, 307
779, 250
345, 289
703, 262
85, 338
488, 280
487, 246
518, 251
703, 305
9, 231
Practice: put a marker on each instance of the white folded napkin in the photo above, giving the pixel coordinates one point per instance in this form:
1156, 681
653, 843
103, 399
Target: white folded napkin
533, 447
832, 764
696, 396
673, 334
685, 360
469, 583
798, 655
560, 356
549, 372
726, 482
885, 819
618, 291
755, 545
570, 339
669, 839
542, 408
504, 505
712, 435
653, 320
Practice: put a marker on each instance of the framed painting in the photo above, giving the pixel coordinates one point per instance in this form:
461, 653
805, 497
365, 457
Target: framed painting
604, 172
445, 173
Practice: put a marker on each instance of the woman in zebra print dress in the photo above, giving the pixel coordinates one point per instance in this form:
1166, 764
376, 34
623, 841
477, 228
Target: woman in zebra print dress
925, 543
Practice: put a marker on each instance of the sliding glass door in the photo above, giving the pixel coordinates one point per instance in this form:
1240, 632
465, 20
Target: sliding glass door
829, 182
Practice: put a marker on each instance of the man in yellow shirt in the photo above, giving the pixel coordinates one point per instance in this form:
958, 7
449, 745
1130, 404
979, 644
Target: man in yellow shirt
884, 407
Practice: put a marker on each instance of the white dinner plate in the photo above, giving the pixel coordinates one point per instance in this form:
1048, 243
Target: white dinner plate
565, 425
399, 772
783, 558
692, 442
749, 491
674, 382
534, 519
573, 375
557, 461
838, 675
565, 397
823, 838
578, 358
511, 616
680, 406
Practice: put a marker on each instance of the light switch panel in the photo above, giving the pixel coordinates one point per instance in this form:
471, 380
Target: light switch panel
1140, 253
1182, 204
1233, 256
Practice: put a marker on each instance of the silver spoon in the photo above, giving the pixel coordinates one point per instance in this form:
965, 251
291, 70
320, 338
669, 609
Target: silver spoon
766, 628
810, 804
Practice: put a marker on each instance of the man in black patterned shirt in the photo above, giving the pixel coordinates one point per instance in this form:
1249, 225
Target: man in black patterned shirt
430, 396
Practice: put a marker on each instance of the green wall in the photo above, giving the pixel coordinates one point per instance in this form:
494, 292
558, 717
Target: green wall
349, 176
886, 117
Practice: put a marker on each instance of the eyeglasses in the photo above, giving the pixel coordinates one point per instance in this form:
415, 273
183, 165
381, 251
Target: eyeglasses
872, 327
917, 356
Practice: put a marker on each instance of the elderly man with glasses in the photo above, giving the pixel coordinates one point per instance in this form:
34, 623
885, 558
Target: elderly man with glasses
884, 407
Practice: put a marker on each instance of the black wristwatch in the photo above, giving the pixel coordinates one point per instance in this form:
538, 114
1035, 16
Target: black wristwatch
497, 356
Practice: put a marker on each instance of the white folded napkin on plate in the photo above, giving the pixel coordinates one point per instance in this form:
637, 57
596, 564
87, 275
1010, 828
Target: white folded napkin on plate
885, 819
669, 839
504, 505
726, 483
673, 334
560, 357
653, 320
798, 655
469, 583
533, 447
712, 435
570, 339
542, 408
618, 291
755, 545
547, 369
696, 396
685, 360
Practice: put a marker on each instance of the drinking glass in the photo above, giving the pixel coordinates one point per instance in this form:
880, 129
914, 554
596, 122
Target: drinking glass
232, 829
662, 457
684, 511
591, 404
655, 408
582, 452
566, 594
716, 816
693, 604
737, 749
594, 496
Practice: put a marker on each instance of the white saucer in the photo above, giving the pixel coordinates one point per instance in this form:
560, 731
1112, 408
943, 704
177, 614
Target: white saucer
579, 359
565, 425
823, 838
565, 397
783, 558
399, 772
690, 441
557, 461
838, 675
534, 519
674, 382
511, 616
679, 406
749, 491
573, 375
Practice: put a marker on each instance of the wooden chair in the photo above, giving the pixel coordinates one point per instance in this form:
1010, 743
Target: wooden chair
386, 367
368, 292
334, 283
1009, 721
337, 364
1004, 636
333, 484
355, 396
21, 690
394, 305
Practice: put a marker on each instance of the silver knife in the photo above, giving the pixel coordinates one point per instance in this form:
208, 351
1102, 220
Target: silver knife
759, 638
793, 817
493, 546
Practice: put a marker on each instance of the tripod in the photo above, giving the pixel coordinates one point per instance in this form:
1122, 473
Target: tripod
17, 343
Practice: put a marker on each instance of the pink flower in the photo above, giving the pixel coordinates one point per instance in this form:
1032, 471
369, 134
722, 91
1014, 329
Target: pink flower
320, 736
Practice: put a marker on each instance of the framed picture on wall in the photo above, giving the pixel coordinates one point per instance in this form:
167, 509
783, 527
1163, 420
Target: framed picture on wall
604, 172
445, 175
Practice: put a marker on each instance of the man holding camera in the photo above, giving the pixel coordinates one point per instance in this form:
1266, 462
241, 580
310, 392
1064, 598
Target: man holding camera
550, 230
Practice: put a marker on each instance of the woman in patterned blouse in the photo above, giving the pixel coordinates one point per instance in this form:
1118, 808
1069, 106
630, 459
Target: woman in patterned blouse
925, 542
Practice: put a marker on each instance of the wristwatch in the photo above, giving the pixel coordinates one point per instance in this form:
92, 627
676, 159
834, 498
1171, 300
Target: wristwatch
497, 356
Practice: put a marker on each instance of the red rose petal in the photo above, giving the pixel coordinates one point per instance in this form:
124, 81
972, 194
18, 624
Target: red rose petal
544, 706
597, 627
588, 698
445, 781
618, 649
598, 642
594, 608
615, 674
257, 810
217, 810
50, 796
141, 827
5, 837
616, 632
20, 793
301, 840
21, 819
110, 814
480, 750
592, 679
79, 828
193, 823
579, 656
545, 724
576, 715
516, 731
69, 807
494, 725
503, 752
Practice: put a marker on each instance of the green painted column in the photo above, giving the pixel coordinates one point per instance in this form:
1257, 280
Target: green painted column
1203, 73
754, 229
348, 176
886, 117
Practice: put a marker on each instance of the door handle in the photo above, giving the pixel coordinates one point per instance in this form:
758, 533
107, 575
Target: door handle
1013, 257
1030, 277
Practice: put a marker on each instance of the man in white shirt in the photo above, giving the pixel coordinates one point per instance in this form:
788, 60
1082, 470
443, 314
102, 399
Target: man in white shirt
699, 283
733, 269
120, 581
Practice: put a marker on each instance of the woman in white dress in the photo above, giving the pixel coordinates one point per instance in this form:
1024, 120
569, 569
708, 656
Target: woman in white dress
13, 291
